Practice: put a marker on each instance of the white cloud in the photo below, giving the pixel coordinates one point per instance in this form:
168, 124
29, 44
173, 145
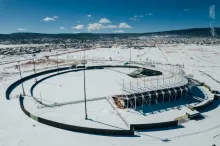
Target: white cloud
89, 15
118, 31
95, 26
104, 20
110, 26
62, 27
21, 29
56, 17
98, 26
76, 32
47, 19
80, 26
133, 18
124, 25
149, 14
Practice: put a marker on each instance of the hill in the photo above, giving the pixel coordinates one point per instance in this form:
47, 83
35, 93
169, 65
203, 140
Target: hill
194, 32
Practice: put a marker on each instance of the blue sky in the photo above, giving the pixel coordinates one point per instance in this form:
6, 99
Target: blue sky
104, 16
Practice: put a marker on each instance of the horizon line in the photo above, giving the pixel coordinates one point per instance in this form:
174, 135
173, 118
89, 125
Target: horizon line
106, 33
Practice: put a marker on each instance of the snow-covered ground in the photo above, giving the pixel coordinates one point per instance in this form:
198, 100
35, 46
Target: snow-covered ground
203, 62
99, 83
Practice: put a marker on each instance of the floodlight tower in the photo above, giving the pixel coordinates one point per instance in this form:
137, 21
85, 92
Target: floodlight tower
130, 58
57, 61
34, 70
84, 72
22, 84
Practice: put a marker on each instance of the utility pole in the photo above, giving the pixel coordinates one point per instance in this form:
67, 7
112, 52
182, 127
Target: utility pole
86, 116
22, 84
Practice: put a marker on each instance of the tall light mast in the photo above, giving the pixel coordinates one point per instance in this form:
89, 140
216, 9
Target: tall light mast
22, 84
84, 72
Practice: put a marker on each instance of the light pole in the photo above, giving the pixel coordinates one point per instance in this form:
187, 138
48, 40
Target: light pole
123, 85
130, 58
34, 70
86, 115
57, 62
22, 84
